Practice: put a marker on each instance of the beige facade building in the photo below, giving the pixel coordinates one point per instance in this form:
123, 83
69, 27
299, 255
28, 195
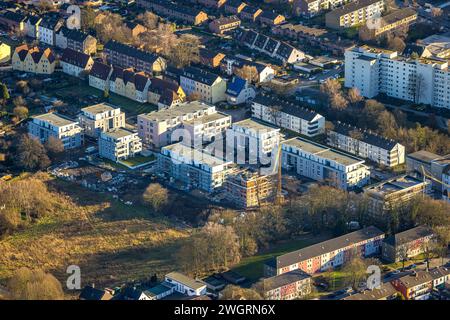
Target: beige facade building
354, 13
100, 118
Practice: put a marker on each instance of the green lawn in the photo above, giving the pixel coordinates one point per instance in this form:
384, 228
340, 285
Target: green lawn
137, 160
253, 267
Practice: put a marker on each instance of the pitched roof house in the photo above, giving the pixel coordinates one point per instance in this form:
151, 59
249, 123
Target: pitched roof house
76, 63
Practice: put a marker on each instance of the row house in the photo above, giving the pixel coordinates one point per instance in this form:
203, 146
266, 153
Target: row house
209, 87
156, 128
233, 65
374, 71
407, 244
128, 56
33, 59
76, 40
251, 141
215, 4
224, 24
12, 21
274, 48
250, 13
210, 58
418, 285
99, 76
48, 125
119, 144
248, 189
366, 144
329, 254
193, 167
291, 285
269, 18
385, 291
130, 84
100, 118
288, 115
393, 194
234, 6
5, 52
76, 63
239, 91
320, 163
174, 11
165, 94
354, 14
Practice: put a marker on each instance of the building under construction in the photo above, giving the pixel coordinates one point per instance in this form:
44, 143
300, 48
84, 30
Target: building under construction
249, 189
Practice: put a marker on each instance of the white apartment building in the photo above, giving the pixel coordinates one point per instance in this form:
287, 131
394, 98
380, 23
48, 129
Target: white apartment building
119, 144
354, 13
186, 285
100, 118
251, 141
207, 128
366, 144
76, 63
209, 86
46, 30
374, 71
320, 163
311, 8
287, 115
156, 128
193, 167
446, 184
54, 125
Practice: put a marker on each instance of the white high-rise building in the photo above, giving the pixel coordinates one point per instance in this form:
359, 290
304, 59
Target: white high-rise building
374, 71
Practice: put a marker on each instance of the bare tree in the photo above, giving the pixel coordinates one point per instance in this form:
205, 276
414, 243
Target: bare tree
354, 96
29, 284
416, 87
249, 73
156, 196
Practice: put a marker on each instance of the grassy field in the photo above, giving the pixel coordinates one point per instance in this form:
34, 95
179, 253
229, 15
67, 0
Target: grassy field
82, 90
137, 160
253, 267
111, 243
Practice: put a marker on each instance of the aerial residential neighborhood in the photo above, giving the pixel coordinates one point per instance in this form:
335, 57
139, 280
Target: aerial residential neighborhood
224, 150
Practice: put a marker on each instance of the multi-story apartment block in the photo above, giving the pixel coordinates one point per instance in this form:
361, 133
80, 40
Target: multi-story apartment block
374, 71
208, 86
76, 63
55, 125
274, 48
310, 8
424, 163
366, 144
224, 24
354, 13
185, 285
377, 26
328, 254
100, 118
216, 4
407, 244
446, 184
34, 60
323, 164
32, 26
287, 115
393, 194
48, 28
291, 285
207, 128
174, 11
156, 128
80, 41
128, 56
119, 144
251, 141
193, 167
418, 285
248, 189
420, 161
